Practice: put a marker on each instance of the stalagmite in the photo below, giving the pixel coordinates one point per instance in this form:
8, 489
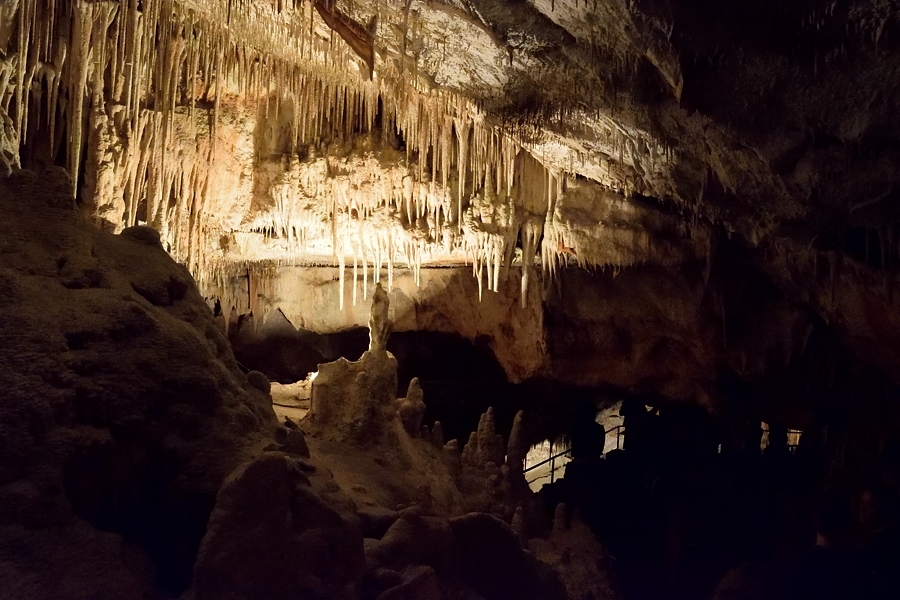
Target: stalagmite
379, 323
516, 448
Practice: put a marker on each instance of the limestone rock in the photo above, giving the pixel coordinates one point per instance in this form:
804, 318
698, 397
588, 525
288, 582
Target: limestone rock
516, 448
271, 536
120, 417
450, 455
437, 435
485, 445
582, 563
484, 485
490, 559
379, 322
259, 381
274, 347
9, 145
55, 186
412, 409
414, 539
354, 400
142, 234
295, 443
517, 526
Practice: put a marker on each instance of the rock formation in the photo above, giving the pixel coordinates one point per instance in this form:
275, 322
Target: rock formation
689, 205
617, 136
135, 457
124, 409
271, 536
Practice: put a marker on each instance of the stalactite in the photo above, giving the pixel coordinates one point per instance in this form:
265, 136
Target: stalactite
365, 278
355, 264
341, 278
148, 71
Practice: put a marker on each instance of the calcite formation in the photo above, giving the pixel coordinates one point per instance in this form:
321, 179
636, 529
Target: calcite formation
510, 140
246, 132
672, 201
139, 458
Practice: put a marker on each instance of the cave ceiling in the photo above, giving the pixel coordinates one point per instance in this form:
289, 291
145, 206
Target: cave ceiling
484, 133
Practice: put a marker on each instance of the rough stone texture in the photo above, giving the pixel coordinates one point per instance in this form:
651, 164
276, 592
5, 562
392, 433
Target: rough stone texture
492, 562
516, 447
123, 408
271, 536
295, 443
355, 400
411, 409
655, 137
608, 134
274, 346
9, 151
581, 562
475, 555
357, 430
446, 300
379, 323
125, 411
485, 444
414, 539
143, 234
645, 330
487, 482
259, 381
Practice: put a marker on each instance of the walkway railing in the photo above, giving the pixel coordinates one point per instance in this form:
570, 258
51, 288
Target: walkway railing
552, 460
619, 429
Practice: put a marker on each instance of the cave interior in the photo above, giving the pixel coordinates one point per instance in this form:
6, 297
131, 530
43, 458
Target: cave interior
449, 299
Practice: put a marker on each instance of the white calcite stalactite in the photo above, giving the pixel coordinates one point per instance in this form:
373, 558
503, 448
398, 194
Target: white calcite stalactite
355, 275
158, 92
341, 278
531, 232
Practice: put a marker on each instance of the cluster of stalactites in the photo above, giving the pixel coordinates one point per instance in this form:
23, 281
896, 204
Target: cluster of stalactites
464, 187
131, 65
129, 77
154, 54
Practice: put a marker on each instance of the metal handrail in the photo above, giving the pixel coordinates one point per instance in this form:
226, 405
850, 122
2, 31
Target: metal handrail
618, 430
569, 450
553, 457
545, 461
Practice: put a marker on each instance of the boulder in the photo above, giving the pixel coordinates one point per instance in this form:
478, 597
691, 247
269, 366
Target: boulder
489, 559
271, 536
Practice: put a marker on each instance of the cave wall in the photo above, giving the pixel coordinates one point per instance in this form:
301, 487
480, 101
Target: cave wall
123, 411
